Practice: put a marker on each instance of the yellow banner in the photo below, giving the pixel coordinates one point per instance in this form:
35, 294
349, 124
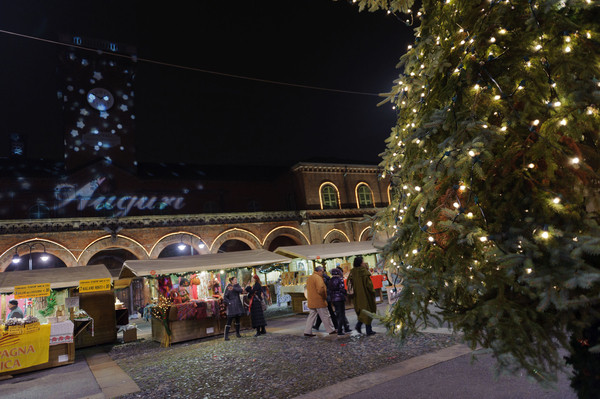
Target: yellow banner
100, 284
32, 291
25, 350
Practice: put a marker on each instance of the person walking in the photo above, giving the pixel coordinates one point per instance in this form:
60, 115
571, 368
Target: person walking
364, 294
337, 293
235, 309
256, 295
317, 303
326, 279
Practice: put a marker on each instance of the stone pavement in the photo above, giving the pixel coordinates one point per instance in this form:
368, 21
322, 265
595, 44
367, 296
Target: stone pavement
447, 373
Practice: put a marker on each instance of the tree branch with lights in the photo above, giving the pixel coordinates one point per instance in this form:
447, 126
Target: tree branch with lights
493, 163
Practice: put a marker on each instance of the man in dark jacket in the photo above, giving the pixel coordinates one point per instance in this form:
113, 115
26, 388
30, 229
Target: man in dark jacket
337, 294
364, 294
235, 309
326, 279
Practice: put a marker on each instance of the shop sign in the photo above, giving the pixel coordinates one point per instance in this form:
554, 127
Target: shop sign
99, 284
31, 328
15, 330
123, 204
32, 291
24, 350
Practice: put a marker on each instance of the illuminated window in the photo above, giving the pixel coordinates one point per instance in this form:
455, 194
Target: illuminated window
329, 197
364, 197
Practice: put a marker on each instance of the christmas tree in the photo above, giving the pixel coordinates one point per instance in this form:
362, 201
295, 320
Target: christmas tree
494, 168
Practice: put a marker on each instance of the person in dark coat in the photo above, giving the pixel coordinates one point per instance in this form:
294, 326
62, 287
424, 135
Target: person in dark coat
329, 304
337, 294
255, 293
235, 309
364, 294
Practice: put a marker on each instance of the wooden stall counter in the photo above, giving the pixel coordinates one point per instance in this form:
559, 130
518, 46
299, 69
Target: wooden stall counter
30, 351
193, 320
296, 292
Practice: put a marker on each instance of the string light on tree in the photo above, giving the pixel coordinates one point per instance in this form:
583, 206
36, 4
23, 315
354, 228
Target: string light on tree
501, 118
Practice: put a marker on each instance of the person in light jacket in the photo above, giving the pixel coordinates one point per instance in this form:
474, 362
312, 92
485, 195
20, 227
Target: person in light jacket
317, 302
235, 309
364, 294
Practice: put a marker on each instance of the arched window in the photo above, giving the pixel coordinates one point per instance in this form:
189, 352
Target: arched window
329, 197
364, 196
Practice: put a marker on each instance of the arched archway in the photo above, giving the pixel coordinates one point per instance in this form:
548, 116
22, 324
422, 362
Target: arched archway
112, 242
335, 235
285, 235
112, 258
282, 241
180, 243
35, 260
245, 236
58, 255
233, 246
366, 234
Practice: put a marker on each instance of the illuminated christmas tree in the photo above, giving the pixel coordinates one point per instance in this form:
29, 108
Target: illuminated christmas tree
494, 167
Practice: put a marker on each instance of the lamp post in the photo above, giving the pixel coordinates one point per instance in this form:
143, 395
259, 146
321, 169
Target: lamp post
17, 259
181, 246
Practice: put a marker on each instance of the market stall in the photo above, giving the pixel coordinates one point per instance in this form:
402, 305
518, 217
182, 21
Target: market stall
60, 307
185, 292
304, 258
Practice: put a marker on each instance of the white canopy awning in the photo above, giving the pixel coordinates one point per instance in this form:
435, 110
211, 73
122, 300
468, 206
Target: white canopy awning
58, 278
197, 263
329, 251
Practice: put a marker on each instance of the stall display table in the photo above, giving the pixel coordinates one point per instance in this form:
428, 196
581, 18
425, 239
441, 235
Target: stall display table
51, 348
193, 320
296, 292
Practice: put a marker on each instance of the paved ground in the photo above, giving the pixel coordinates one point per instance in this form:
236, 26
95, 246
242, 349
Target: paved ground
458, 378
447, 373
68, 382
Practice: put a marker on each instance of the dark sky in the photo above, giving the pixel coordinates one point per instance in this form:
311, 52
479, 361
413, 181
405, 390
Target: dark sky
190, 116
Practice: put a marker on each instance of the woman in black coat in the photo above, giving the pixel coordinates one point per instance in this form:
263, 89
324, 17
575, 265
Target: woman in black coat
235, 309
255, 293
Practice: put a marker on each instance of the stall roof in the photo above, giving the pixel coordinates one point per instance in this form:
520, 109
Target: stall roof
196, 263
63, 277
328, 251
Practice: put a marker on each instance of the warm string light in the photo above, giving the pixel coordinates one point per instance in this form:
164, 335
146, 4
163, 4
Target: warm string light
406, 87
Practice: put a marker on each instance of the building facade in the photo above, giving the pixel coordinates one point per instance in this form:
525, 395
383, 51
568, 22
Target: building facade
76, 222
101, 206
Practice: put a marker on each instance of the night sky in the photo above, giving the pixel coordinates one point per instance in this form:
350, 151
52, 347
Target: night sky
195, 117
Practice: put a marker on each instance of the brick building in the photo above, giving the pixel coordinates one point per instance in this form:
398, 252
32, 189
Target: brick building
101, 206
